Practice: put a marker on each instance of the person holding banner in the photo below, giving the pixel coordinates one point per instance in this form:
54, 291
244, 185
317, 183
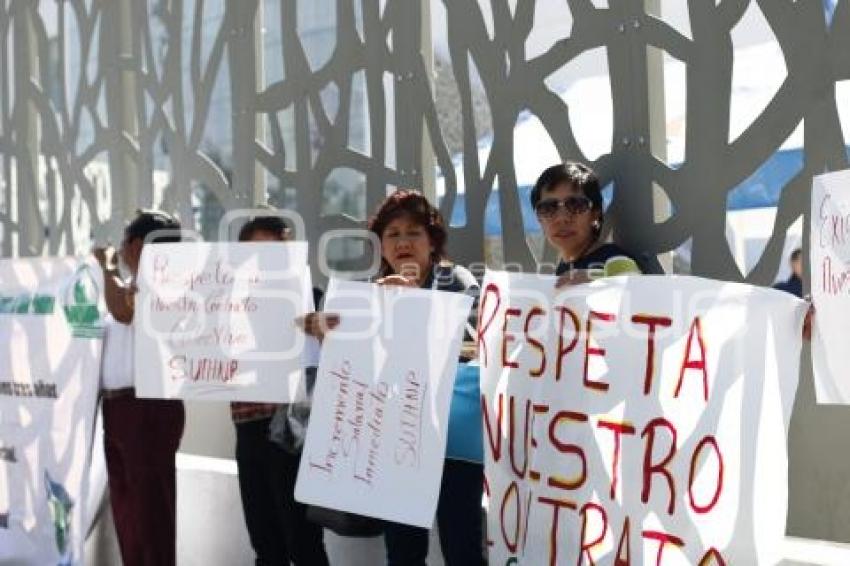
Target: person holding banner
141, 436
277, 525
413, 254
794, 283
567, 200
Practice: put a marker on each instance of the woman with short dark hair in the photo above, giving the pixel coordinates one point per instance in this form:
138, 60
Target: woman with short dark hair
568, 203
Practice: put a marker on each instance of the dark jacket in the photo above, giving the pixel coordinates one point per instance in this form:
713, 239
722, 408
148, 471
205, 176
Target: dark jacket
793, 285
596, 259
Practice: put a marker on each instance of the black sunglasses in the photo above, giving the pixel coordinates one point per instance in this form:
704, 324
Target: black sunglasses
573, 206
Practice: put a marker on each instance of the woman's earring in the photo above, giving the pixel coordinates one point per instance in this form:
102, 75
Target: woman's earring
597, 224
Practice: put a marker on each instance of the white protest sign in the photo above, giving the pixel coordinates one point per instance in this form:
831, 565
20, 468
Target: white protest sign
830, 281
377, 434
636, 420
215, 321
50, 346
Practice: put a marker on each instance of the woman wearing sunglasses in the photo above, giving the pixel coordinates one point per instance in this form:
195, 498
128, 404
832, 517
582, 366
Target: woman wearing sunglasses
568, 203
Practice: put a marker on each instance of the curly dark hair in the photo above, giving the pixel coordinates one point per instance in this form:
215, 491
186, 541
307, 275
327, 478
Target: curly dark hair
410, 203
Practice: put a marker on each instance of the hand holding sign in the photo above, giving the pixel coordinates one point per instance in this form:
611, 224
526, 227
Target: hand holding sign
317, 324
398, 281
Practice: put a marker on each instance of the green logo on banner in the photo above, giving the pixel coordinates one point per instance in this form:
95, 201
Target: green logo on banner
81, 308
43, 304
80, 304
28, 304
60, 510
19, 304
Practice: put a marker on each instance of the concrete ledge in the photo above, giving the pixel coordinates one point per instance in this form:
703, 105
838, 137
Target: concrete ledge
799, 551
211, 526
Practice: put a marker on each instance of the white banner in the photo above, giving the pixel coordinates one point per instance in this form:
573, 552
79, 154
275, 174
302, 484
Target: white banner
50, 346
830, 281
215, 321
636, 420
377, 434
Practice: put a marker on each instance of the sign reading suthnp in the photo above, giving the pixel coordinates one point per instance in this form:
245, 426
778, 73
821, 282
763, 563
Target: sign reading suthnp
377, 436
216, 321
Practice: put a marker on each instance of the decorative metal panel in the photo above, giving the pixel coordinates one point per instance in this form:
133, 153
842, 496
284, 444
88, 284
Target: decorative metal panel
108, 105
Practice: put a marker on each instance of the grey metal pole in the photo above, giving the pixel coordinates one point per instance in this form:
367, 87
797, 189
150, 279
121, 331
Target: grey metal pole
429, 176
242, 57
122, 112
259, 189
25, 189
657, 127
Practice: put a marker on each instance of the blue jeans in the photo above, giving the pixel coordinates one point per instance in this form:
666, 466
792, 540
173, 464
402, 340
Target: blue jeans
458, 520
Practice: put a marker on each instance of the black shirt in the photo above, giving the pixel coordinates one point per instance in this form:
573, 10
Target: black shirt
793, 285
595, 259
